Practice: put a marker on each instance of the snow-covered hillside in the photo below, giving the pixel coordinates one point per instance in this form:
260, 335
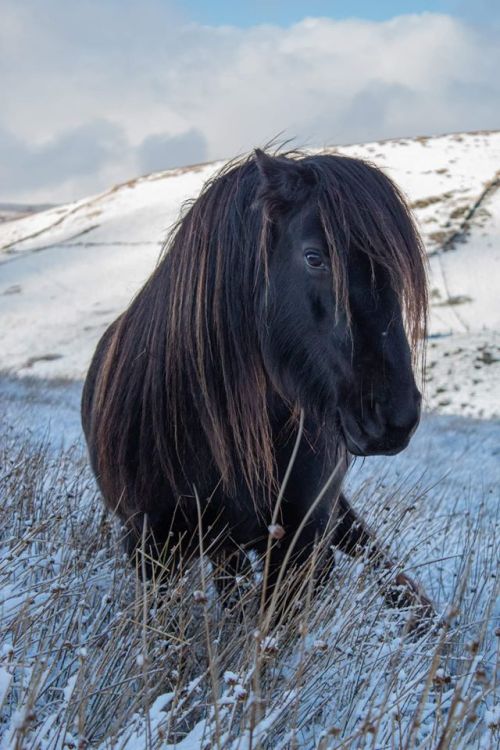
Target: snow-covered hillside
68, 271
65, 273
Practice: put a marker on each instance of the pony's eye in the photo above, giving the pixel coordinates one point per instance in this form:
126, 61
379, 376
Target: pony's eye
314, 260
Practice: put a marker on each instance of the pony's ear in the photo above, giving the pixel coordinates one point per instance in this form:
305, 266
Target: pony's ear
283, 181
270, 171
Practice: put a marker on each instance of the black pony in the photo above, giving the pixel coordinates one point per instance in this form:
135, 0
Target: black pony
288, 288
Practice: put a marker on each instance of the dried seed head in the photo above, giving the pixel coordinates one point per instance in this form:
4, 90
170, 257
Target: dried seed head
492, 718
481, 675
240, 692
276, 531
199, 597
270, 645
230, 678
320, 645
441, 679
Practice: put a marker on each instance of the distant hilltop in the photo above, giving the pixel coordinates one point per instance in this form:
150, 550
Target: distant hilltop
10, 211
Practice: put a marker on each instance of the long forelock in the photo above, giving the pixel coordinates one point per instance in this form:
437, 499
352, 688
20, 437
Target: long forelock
359, 206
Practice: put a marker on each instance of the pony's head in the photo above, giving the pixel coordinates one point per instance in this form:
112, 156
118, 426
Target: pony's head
345, 303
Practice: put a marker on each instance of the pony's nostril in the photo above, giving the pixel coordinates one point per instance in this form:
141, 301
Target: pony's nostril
402, 419
405, 421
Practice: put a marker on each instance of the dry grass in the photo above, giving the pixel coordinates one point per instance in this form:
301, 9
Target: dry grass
90, 657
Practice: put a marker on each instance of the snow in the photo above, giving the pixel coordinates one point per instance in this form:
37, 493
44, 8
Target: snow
462, 374
492, 717
362, 665
63, 286
5, 680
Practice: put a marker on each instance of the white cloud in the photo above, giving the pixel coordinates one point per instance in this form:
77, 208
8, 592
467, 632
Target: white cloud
98, 92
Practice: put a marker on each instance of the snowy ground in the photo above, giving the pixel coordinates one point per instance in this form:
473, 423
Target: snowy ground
81, 661
339, 674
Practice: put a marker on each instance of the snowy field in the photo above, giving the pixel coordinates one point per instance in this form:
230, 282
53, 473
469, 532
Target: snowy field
89, 658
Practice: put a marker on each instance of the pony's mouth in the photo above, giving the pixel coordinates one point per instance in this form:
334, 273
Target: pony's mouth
372, 439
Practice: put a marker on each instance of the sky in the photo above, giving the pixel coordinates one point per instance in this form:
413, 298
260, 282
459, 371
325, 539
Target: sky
95, 92
284, 12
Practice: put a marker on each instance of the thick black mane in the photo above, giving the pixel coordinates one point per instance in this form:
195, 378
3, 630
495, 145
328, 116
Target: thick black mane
180, 384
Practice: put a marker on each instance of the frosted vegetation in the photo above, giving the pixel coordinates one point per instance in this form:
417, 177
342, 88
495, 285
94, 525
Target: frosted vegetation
92, 658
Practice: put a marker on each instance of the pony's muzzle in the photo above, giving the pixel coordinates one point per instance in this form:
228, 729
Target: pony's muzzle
384, 429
